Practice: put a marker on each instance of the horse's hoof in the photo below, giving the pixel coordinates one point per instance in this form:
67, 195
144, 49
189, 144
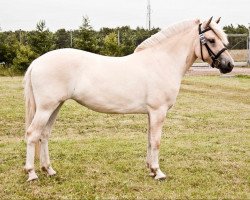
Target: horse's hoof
51, 171
160, 175
157, 177
32, 176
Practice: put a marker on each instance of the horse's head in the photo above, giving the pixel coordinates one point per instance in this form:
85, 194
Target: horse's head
210, 46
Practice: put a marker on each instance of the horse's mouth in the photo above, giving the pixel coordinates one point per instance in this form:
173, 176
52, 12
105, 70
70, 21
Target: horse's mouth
225, 70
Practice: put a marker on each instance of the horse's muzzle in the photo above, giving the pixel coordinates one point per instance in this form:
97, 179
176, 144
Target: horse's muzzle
226, 68
224, 65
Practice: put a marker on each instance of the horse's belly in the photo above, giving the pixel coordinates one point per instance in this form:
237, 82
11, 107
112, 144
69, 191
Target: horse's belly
113, 106
106, 103
111, 92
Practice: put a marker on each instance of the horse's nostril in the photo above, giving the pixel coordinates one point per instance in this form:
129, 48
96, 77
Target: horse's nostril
231, 65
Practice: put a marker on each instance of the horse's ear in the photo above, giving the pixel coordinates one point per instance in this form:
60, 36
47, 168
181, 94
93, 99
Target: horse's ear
197, 21
209, 21
218, 20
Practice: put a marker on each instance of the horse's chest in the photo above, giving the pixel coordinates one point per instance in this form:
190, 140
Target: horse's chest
163, 95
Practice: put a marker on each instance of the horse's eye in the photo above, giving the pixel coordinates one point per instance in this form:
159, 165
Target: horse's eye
211, 41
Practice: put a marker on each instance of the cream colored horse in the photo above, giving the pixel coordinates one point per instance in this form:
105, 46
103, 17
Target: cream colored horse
147, 81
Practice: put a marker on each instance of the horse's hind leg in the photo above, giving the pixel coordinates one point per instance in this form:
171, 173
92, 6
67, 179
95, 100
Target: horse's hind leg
44, 151
33, 135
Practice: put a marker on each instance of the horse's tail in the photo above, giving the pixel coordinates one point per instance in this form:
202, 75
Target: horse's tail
30, 104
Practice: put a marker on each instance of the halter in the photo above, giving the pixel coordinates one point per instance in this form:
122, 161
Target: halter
203, 41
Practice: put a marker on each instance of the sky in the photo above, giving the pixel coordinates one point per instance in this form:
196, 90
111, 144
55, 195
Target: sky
24, 14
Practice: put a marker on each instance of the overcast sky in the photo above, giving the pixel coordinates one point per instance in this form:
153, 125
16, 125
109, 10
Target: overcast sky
24, 14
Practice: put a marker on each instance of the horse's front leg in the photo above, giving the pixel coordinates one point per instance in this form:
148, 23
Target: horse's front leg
156, 120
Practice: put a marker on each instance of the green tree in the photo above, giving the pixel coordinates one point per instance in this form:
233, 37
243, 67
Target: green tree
127, 40
111, 47
85, 37
62, 39
236, 42
41, 40
86, 23
100, 36
15, 55
24, 56
8, 46
239, 29
41, 26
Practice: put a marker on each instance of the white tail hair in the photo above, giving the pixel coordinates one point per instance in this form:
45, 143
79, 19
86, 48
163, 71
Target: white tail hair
30, 104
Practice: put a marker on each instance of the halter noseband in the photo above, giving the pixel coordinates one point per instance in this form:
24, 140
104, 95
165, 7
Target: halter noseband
203, 41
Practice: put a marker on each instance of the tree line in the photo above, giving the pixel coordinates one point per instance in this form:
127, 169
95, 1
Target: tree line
237, 42
19, 48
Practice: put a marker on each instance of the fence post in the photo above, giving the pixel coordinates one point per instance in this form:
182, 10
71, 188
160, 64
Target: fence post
20, 36
71, 39
118, 38
248, 45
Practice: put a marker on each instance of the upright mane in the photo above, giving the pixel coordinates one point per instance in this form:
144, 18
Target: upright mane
166, 33
177, 28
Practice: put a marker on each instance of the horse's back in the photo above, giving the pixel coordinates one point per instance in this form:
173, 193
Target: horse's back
66, 59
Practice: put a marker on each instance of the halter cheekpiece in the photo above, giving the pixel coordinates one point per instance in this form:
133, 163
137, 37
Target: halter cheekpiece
203, 41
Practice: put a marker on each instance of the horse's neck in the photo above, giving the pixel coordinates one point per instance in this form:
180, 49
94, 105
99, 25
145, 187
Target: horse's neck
177, 53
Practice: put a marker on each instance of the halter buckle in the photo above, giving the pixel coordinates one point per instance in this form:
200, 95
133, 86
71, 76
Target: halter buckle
202, 38
215, 63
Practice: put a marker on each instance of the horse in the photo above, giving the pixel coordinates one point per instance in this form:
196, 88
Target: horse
144, 82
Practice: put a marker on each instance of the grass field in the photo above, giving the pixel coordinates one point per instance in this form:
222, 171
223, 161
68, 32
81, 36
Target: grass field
205, 147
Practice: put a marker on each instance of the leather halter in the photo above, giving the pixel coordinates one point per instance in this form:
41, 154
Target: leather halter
203, 41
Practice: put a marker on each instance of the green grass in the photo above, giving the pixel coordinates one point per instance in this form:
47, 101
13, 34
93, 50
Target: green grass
205, 147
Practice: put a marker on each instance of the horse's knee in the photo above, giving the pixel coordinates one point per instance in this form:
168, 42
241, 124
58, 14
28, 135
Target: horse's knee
32, 137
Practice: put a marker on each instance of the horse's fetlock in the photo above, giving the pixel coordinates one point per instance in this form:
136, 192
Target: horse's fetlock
45, 167
154, 167
28, 169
